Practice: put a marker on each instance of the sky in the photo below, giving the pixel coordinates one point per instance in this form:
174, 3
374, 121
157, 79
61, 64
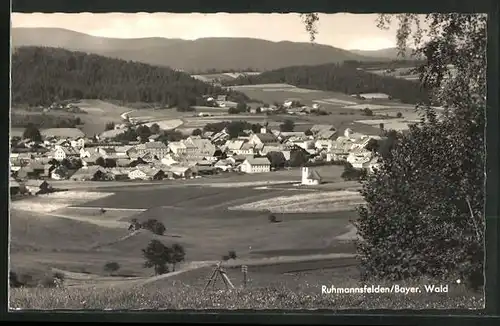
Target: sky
346, 31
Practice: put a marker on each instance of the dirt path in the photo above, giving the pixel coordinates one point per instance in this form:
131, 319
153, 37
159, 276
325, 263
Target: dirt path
104, 223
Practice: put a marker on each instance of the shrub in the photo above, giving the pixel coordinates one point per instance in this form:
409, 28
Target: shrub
352, 174
154, 226
368, 112
111, 267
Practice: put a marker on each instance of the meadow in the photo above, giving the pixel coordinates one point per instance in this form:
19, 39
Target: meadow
76, 236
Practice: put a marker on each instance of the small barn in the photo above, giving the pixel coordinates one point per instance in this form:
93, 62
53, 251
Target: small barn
37, 187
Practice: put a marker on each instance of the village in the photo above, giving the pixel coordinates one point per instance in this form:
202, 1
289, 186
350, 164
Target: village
34, 164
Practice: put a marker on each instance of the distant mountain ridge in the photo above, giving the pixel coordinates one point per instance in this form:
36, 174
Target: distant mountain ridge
388, 53
190, 55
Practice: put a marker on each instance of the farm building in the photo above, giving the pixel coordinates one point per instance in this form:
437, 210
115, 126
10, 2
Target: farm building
59, 173
224, 165
310, 177
90, 160
154, 148
91, 173
264, 139
118, 173
181, 172
36, 187
256, 165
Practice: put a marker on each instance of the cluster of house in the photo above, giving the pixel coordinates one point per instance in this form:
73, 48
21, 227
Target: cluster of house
81, 159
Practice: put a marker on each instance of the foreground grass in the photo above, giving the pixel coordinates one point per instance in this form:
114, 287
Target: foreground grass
183, 296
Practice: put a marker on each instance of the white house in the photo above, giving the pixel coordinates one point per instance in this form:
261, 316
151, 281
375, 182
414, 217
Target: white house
62, 153
138, 174
245, 149
359, 158
177, 147
323, 144
78, 143
310, 177
256, 165
169, 160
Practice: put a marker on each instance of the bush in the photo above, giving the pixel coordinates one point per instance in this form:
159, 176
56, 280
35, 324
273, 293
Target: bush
111, 267
52, 281
368, 112
154, 226
352, 174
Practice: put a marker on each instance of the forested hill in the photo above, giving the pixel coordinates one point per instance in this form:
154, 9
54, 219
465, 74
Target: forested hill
346, 78
41, 75
194, 56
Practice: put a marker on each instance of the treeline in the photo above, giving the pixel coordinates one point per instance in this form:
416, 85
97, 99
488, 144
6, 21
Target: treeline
394, 64
42, 75
345, 78
18, 120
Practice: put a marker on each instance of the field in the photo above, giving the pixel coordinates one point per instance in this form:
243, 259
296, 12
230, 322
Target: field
68, 231
344, 110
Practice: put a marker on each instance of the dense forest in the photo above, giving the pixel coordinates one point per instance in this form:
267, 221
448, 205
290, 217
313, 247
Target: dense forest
347, 78
42, 75
44, 120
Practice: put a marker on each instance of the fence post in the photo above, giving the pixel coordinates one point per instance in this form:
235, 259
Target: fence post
244, 269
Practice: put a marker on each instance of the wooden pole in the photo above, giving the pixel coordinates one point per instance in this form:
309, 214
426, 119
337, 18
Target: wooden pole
226, 279
211, 279
244, 269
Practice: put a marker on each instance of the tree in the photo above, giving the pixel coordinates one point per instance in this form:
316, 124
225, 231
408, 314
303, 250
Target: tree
372, 145
109, 126
258, 110
241, 107
32, 132
298, 157
399, 115
154, 226
287, 125
256, 127
232, 254
424, 212
381, 126
100, 161
177, 256
308, 132
111, 267
155, 128
197, 132
277, 159
352, 174
233, 110
157, 256
143, 132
